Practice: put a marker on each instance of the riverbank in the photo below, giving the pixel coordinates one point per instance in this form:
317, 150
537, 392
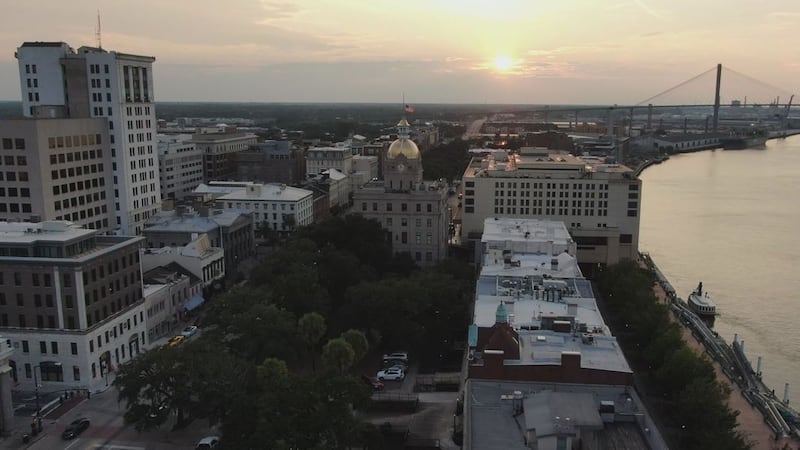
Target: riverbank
765, 432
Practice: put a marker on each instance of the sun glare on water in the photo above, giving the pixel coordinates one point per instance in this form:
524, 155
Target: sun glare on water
503, 63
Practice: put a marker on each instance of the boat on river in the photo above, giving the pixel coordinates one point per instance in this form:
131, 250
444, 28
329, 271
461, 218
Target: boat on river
741, 142
702, 305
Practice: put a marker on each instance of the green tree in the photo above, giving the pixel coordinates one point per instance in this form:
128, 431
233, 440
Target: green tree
358, 342
311, 328
338, 355
153, 386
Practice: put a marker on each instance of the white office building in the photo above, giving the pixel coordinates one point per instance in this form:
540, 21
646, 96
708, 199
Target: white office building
180, 165
93, 82
599, 203
280, 207
319, 159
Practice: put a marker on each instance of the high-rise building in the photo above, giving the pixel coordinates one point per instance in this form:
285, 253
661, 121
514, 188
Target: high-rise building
219, 147
71, 303
180, 165
598, 202
56, 169
93, 82
413, 211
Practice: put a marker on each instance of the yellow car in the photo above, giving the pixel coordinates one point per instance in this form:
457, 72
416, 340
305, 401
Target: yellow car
175, 341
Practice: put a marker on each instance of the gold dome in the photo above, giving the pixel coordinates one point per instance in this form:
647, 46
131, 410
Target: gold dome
405, 147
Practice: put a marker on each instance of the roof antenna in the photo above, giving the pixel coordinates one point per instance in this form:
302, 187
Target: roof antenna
97, 34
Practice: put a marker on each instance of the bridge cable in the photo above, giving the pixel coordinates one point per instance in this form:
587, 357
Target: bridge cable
676, 86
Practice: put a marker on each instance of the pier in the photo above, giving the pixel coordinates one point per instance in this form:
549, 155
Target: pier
732, 363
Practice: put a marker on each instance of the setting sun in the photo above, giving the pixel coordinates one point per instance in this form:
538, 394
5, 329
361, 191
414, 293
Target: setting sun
503, 63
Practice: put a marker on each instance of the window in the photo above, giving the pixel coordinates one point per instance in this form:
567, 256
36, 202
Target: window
43, 347
25, 347
76, 373
625, 238
54, 347
74, 348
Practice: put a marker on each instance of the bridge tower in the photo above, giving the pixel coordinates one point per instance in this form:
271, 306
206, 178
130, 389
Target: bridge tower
716, 97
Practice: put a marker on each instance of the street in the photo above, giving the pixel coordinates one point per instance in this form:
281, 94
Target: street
109, 432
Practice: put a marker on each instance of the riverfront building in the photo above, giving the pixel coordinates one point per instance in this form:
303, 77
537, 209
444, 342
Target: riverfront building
118, 87
71, 303
412, 211
535, 316
57, 169
598, 202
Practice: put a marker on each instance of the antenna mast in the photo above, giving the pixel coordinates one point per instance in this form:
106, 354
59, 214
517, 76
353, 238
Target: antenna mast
97, 34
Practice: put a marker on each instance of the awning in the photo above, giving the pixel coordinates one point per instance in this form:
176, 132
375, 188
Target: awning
194, 302
473, 336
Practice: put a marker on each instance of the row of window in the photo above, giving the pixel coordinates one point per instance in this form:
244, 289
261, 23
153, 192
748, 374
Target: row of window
13, 176
538, 185
81, 140
53, 347
76, 171
545, 211
72, 187
15, 207
14, 192
403, 207
13, 144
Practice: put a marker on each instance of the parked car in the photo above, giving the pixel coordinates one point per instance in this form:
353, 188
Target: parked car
189, 331
75, 428
400, 356
175, 341
207, 443
395, 363
375, 383
392, 373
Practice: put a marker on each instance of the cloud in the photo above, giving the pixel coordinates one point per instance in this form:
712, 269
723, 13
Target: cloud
277, 10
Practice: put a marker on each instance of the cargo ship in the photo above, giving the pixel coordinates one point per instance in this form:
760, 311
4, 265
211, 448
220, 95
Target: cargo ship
757, 140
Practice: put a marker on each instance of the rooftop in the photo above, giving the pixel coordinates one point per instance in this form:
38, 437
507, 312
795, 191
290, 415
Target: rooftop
495, 420
267, 192
505, 229
193, 222
54, 230
538, 159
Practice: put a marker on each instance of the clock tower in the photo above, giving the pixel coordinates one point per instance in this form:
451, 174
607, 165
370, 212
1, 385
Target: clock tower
403, 169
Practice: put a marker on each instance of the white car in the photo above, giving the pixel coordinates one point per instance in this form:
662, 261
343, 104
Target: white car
392, 373
208, 443
189, 331
397, 356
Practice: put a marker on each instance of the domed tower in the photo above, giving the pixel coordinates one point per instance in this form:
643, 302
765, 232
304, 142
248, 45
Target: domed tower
403, 170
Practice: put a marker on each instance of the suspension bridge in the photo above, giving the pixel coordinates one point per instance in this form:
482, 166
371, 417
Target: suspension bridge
719, 99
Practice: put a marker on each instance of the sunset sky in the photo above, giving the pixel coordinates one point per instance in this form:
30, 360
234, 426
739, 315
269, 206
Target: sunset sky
461, 51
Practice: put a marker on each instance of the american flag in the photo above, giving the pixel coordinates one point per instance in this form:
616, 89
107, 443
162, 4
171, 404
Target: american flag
409, 109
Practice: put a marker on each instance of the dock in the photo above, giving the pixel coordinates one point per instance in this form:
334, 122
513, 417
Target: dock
732, 363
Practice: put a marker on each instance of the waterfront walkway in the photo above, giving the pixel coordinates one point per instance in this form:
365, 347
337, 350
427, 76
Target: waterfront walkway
751, 421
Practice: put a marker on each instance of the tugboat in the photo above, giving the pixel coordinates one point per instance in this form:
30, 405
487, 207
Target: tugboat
701, 304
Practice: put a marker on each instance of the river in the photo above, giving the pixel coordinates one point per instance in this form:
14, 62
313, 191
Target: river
729, 219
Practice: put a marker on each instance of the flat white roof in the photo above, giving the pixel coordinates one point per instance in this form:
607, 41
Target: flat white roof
501, 229
56, 230
267, 192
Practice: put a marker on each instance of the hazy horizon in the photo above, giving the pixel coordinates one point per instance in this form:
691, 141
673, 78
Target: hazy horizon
470, 52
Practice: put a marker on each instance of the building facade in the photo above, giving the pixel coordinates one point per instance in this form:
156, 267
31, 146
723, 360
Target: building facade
412, 211
232, 230
276, 206
71, 303
118, 87
57, 169
219, 150
319, 159
166, 292
180, 166
271, 162
598, 202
